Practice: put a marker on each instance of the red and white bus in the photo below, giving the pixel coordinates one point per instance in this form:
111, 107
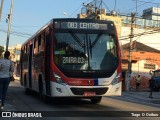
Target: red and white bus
73, 58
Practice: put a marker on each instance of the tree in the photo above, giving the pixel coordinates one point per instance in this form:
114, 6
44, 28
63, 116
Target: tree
1, 50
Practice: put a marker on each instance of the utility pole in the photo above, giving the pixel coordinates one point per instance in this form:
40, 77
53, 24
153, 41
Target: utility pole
1, 7
130, 53
136, 12
9, 24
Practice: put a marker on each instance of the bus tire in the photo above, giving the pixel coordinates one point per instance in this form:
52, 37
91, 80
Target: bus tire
40, 85
96, 100
41, 95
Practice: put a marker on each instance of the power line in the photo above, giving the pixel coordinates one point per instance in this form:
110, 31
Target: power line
140, 34
148, 2
138, 6
17, 33
75, 11
106, 6
21, 28
24, 26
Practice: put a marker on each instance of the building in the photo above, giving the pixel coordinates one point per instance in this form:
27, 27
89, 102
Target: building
146, 36
94, 11
15, 52
152, 13
144, 60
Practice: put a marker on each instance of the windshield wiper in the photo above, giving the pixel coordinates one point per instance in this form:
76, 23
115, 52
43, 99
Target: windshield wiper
90, 47
77, 39
96, 40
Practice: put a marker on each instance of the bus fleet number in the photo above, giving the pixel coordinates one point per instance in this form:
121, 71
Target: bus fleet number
78, 60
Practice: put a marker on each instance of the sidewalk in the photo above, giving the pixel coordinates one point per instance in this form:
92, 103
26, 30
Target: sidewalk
141, 97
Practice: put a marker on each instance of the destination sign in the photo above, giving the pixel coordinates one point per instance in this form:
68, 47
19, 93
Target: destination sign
77, 60
81, 25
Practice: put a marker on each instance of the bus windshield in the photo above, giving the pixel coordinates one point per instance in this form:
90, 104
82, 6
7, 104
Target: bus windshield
86, 52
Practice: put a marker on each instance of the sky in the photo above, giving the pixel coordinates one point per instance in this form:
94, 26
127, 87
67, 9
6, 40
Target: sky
30, 15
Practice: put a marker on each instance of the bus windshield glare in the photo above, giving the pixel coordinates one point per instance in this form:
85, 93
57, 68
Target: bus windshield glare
87, 52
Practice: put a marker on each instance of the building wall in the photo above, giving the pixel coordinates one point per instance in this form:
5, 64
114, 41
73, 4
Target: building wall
150, 21
139, 67
151, 40
152, 13
117, 21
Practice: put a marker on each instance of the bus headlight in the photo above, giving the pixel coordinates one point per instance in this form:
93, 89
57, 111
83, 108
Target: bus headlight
58, 78
116, 79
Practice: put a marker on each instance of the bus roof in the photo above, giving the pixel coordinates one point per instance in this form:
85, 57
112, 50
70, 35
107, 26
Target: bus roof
78, 19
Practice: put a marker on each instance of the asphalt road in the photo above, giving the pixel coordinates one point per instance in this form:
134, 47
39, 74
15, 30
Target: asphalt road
69, 108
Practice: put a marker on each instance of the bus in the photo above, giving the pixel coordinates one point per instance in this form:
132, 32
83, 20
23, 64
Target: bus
72, 57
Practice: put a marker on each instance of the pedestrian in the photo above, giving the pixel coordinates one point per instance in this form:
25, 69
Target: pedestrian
151, 86
138, 82
6, 67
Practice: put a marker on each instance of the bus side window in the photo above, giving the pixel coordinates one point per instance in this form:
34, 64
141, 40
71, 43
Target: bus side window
35, 46
26, 47
22, 54
39, 44
25, 54
42, 41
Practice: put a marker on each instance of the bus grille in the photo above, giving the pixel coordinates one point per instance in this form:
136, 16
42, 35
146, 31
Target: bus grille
80, 91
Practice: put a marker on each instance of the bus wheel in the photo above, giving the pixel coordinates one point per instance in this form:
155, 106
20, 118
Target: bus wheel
41, 95
44, 98
40, 89
96, 100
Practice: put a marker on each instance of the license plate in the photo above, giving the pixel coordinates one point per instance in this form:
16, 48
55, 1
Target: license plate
89, 94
